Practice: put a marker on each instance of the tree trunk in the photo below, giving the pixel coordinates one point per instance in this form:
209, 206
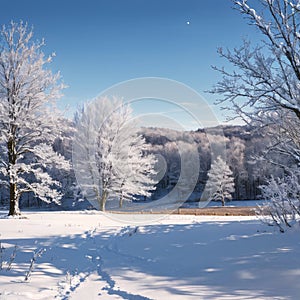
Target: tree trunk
13, 194
223, 200
102, 205
121, 201
13, 200
103, 201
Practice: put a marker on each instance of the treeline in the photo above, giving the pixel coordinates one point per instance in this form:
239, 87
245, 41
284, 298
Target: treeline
243, 147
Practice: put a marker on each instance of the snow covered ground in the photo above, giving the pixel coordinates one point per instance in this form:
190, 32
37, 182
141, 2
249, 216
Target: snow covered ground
89, 255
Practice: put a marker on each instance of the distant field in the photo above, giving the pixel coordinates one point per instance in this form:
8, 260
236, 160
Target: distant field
233, 208
206, 211
219, 211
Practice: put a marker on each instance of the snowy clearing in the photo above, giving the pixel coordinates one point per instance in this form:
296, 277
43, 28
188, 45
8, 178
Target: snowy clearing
89, 255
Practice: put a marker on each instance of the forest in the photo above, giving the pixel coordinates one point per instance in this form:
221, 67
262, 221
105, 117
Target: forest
244, 145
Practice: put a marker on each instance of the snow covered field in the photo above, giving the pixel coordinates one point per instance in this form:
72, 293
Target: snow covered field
89, 255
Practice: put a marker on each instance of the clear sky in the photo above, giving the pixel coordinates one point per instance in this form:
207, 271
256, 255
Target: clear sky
99, 43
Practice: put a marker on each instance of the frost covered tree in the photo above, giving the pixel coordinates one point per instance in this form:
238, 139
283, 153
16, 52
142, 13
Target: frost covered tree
283, 207
28, 92
264, 87
220, 183
109, 155
267, 76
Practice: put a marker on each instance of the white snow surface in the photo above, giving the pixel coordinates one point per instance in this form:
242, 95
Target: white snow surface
91, 255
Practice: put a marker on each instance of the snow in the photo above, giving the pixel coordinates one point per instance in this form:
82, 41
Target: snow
91, 255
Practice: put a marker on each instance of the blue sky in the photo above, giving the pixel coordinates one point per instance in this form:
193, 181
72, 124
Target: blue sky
100, 43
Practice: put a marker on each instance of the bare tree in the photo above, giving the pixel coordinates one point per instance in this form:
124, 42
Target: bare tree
264, 89
28, 92
267, 76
